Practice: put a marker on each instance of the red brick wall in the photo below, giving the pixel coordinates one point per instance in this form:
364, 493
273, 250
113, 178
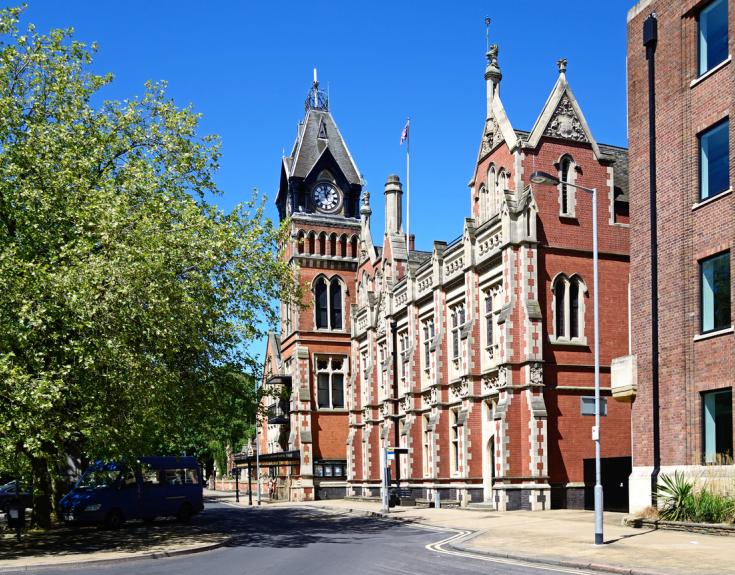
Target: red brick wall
684, 235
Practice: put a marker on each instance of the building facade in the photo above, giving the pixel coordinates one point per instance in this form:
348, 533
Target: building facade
308, 364
477, 356
684, 423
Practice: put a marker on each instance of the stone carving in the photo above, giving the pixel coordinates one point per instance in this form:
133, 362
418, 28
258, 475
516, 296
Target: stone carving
565, 123
536, 374
562, 65
386, 409
492, 55
492, 137
434, 396
366, 198
406, 402
426, 398
502, 377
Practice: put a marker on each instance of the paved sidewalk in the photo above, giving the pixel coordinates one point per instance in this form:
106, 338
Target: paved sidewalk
568, 535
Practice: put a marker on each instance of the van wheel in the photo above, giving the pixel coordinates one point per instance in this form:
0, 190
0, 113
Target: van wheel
114, 519
184, 513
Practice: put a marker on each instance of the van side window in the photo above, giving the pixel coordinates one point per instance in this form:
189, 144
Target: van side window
192, 477
150, 475
128, 480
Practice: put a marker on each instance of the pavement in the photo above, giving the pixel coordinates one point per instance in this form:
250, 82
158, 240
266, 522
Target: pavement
566, 537
558, 538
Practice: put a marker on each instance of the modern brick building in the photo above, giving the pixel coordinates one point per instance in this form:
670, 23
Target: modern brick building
694, 94
476, 356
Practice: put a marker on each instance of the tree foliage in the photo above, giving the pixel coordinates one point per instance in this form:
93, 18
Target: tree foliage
127, 299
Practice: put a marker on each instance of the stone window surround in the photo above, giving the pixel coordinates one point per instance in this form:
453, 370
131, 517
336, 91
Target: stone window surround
581, 339
344, 371
571, 191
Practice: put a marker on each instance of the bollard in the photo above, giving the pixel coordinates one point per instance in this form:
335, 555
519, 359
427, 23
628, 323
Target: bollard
437, 500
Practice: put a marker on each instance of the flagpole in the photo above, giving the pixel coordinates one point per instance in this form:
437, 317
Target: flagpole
408, 188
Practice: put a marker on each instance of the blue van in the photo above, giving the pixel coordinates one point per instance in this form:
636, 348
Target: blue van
112, 493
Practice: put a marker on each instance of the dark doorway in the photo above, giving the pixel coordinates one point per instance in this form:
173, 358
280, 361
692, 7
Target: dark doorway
615, 472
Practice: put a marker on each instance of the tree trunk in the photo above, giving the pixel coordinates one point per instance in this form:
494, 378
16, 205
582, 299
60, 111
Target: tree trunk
41, 492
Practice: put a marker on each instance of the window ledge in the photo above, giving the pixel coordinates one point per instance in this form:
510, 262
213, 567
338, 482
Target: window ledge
710, 72
711, 199
576, 342
567, 216
717, 333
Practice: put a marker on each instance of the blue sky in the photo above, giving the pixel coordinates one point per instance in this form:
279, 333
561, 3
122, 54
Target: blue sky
247, 66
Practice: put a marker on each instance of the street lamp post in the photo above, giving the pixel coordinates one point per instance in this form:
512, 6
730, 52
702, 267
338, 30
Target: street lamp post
545, 178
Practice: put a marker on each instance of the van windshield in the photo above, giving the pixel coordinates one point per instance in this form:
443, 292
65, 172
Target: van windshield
98, 477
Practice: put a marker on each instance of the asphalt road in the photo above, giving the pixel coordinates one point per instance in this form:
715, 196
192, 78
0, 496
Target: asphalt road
281, 540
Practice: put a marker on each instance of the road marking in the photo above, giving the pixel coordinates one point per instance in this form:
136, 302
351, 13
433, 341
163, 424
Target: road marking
459, 534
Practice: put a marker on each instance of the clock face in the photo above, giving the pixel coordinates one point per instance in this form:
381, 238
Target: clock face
326, 197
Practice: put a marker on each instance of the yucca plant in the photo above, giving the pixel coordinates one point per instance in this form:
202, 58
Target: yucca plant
677, 494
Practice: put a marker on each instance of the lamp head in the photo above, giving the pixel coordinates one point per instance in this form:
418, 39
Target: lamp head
543, 178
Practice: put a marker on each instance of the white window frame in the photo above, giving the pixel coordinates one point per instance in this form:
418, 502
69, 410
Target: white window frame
427, 335
457, 320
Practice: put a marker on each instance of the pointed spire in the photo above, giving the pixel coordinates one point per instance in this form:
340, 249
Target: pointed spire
317, 99
492, 70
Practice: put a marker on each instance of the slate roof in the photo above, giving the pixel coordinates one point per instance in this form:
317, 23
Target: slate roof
418, 257
620, 169
309, 147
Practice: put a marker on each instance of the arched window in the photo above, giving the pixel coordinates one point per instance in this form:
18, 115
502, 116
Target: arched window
300, 242
573, 309
333, 245
322, 304
481, 204
328, 304
567, 197
491, 191
560, 299
568, 306
343, 246
353, 247
335, 300
322, 244
311, 242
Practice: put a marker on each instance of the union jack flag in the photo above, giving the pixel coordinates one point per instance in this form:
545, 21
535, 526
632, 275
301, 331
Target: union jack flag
404, 134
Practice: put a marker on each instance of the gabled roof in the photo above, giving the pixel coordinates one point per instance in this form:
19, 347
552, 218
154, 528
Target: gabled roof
562, 117
497, 129
317, 134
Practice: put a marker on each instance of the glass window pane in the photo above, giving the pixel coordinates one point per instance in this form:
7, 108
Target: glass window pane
712, 35
336, 297
714, 159
338, 394
574, 309
559, 299
321, 304
715, 286
717, 419
323, 390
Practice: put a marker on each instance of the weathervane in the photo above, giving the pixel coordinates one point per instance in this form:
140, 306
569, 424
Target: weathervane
487, 33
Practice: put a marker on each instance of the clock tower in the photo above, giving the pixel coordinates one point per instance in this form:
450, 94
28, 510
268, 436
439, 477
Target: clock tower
309, 361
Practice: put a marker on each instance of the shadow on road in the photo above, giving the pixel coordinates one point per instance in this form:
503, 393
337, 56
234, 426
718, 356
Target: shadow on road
264, 527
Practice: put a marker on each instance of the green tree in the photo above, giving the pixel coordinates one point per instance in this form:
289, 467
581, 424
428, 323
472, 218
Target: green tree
127, 299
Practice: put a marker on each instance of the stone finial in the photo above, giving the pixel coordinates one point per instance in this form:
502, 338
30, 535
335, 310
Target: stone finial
562, 65
492, 55
366, 198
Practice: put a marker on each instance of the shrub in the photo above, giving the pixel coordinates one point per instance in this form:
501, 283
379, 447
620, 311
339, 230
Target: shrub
681, 502
677, 494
